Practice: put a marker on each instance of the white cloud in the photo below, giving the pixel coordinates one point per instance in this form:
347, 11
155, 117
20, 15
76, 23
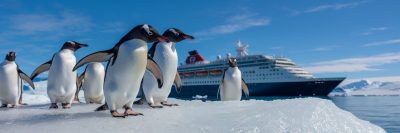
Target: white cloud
234, 24
387, 42
373, 30
319, 8
358, 64
322, 49
65, 23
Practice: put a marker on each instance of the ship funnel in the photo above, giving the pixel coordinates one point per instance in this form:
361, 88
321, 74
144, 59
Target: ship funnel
241, 49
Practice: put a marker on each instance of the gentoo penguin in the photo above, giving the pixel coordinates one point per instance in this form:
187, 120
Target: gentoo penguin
91, 81
165, 55
232, 83
127, 61
61, 84
11, 81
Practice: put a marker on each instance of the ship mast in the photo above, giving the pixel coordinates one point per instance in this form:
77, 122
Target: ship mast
241, 49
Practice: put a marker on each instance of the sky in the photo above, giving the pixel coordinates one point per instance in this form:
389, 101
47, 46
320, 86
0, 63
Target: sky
341, 38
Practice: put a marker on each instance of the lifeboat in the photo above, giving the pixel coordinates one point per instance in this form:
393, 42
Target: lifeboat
215, 72
202, 73
188, 74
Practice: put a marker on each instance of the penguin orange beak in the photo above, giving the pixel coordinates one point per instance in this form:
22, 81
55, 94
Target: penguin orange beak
83, 45
188, 37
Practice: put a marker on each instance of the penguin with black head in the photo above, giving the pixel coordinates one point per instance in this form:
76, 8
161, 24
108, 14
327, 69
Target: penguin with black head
231, 85
127, 62
11, 77
61, 84
166, 56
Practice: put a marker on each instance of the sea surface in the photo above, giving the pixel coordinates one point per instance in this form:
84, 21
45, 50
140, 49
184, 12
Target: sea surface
380, 110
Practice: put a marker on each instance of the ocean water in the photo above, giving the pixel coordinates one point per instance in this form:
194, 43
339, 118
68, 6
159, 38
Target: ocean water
380, 110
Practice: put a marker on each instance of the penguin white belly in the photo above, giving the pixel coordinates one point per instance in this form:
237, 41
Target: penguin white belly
61, 86
231, 89
166, 57
9, 91
93, 83
123, 79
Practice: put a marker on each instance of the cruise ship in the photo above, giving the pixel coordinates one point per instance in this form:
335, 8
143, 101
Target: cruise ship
264, 75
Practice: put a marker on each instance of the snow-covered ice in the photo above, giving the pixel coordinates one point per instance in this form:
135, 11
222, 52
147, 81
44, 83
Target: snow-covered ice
291, 115
366, 87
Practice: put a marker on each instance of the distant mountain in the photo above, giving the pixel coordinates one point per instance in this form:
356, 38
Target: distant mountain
367, 88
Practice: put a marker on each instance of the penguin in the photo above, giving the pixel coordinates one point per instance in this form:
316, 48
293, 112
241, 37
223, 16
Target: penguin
127, 62
11, 82
61, 85
166, 56
91, 81
231, 85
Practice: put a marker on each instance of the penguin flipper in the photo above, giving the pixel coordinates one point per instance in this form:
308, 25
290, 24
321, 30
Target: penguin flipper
100, 56
219, 88
79, 82
25, 77
245, 88
42, 68
221, 84
155, 69
178, 83
152, 49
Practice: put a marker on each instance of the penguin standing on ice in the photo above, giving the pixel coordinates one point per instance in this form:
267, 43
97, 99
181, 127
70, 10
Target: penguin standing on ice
11, 82
61, 85
165, 55
91, 81
127, 62
231, 85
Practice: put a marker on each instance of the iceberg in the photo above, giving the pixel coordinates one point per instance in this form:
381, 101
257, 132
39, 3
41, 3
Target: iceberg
252, 116
365, 87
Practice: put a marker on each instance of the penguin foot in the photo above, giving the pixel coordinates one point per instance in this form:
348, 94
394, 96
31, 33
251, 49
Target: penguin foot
53, 106
155, 106
3, 106
116, 114
169, 104
66, 105
23, 104
129, 112
102, 107
13, 106
76, 101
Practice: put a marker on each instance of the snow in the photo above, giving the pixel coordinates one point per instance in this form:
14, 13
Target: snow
291, 115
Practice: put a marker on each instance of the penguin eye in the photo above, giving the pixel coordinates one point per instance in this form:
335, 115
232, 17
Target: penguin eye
150, 33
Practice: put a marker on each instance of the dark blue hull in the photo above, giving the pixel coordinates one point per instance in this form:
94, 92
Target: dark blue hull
321, 87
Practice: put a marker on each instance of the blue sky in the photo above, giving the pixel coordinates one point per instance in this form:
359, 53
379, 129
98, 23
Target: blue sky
355, 39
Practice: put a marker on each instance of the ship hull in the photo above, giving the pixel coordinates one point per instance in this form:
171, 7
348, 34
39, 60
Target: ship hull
319, 87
